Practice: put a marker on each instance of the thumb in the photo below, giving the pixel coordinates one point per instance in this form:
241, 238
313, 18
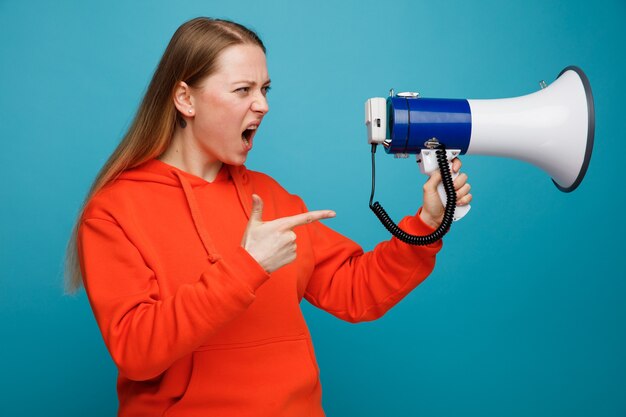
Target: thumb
257, 209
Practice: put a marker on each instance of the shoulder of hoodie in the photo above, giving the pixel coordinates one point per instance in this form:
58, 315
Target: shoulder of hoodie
110, 201
118, 196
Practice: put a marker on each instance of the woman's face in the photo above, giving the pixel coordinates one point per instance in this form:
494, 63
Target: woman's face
229, 105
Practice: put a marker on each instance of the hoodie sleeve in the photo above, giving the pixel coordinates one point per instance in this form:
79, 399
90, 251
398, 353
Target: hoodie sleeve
144, 333
357, 286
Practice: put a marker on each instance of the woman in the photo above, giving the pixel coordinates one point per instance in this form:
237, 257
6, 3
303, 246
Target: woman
190, 261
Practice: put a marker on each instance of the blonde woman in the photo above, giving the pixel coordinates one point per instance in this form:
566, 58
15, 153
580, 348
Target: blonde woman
195, 266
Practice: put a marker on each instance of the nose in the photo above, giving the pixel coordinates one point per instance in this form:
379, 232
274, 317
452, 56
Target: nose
260, 104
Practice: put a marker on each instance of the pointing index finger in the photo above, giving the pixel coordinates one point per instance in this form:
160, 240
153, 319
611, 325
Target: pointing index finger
305, 218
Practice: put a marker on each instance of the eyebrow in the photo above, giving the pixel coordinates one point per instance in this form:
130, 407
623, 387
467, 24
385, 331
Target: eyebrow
252, 82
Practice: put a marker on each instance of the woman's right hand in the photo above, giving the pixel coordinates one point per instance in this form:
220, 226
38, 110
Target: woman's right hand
273, 244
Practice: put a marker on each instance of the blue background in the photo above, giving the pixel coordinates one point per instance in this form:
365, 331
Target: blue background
525, 313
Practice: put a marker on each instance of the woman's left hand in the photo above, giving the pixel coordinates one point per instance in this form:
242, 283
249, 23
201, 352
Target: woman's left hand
432, 209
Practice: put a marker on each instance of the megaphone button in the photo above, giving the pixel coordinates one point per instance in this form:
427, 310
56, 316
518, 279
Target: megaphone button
408, 94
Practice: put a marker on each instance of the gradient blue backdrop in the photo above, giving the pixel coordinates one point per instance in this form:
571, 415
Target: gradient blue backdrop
525, 314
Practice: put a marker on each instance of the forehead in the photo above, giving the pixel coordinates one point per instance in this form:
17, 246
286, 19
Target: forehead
242, 61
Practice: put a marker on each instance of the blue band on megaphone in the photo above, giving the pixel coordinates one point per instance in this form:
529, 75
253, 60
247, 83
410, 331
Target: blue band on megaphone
413, 121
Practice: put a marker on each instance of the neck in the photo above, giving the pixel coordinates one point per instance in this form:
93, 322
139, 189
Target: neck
184, 154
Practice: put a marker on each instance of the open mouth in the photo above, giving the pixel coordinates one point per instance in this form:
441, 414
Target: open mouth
247, 136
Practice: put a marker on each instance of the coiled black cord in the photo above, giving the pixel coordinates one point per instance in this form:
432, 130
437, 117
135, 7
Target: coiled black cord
448, 215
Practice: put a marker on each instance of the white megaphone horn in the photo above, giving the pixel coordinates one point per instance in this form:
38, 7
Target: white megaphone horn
552, 128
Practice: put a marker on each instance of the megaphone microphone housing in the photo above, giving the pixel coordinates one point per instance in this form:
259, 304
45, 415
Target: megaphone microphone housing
552, 128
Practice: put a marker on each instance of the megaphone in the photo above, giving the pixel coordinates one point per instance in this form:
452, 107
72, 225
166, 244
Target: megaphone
552, 129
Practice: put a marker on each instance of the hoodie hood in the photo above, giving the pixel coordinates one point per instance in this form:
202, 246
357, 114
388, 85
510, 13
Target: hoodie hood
159, 172
156, 171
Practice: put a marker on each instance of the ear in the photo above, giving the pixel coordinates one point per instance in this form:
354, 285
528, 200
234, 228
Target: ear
183, 99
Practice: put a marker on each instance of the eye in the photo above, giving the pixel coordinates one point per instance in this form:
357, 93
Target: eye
242, 90
266, 89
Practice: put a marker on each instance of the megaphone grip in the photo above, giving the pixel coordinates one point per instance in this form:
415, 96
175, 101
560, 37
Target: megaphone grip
448, 215
460, 211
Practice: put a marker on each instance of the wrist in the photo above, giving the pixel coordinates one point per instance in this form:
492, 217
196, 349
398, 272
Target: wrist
429, 219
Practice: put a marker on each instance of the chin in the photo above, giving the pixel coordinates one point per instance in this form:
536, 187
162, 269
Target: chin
237, 161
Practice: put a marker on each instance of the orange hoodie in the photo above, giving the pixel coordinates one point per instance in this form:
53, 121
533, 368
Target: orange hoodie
195, 326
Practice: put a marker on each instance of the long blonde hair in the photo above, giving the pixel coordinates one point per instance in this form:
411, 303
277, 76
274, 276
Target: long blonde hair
190, 56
